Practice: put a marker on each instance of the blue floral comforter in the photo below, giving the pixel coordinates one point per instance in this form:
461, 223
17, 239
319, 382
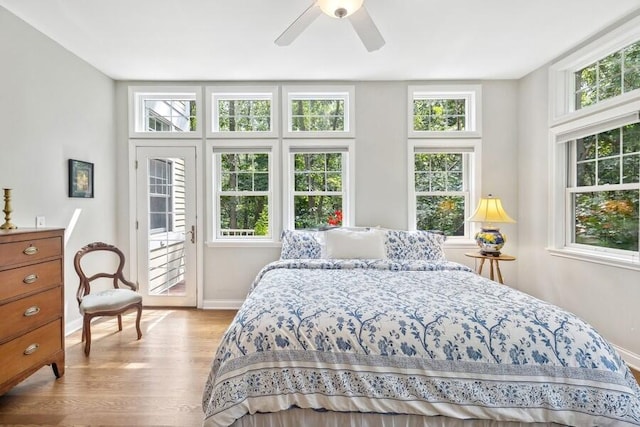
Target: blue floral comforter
429, 338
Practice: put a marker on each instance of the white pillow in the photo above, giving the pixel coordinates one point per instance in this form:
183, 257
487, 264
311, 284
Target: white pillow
350, 244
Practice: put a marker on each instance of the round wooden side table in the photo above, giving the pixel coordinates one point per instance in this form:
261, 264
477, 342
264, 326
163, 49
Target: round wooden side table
493, 260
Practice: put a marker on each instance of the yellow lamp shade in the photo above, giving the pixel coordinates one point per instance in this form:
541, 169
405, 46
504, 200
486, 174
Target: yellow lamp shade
490, 210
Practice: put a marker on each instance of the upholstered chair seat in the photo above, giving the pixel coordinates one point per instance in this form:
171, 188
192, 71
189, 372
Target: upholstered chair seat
110, 299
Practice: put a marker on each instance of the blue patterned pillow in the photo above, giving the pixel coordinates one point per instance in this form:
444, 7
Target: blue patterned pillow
299, 245
414, 245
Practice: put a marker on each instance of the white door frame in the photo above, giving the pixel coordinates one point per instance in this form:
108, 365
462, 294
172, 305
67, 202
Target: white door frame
133, 252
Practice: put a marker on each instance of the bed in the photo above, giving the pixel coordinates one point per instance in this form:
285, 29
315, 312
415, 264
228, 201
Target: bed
376, 327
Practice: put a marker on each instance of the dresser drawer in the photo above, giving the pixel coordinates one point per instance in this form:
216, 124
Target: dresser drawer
32, 278
28, 251
30, 312
30, 349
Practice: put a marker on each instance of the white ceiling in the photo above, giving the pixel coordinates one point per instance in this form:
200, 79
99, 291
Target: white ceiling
233, 39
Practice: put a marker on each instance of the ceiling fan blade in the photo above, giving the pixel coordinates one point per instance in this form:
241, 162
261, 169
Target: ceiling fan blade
366, 29
299, 25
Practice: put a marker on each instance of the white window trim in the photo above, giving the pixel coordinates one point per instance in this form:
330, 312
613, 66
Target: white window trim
137, 93
567, 125
471, 93
274, 194
475, 182
347, 93
562, 78
348, 183
213, 93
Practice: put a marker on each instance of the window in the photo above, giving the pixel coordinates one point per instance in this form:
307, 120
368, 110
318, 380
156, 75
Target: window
443, 185
595, 149
319, 180
608, 77
604, 189
160, 196
243, 111
164, 111
313, 112
444, 111
243, 193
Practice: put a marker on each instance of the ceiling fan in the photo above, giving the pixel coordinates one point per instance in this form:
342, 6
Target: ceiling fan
353, 10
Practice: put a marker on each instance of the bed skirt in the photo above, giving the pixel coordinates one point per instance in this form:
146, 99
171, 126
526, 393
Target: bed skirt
296, 417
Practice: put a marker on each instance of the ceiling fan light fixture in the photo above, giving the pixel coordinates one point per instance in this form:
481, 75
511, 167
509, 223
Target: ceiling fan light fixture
340, 8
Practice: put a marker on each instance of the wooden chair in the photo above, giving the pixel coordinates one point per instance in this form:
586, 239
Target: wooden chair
110, 302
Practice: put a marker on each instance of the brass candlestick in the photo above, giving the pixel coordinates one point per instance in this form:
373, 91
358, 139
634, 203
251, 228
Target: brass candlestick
7, 211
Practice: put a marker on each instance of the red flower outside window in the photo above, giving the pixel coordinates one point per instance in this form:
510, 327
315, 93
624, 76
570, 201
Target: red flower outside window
335, 218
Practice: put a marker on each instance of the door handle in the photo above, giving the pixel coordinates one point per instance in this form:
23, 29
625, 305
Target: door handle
193, 233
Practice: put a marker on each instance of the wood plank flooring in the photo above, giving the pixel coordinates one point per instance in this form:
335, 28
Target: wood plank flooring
157, 381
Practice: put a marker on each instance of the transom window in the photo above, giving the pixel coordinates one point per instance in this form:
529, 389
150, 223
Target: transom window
166, 115
604, 188
445, 115
243, 193
242, 111
319, 113
164, 111
608, 77
444, 111
244, 115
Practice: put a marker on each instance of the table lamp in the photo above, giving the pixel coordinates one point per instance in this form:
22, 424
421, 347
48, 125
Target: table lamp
489, 238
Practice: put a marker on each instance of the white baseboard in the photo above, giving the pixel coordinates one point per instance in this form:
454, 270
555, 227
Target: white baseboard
632, 359
71, 327
222, 304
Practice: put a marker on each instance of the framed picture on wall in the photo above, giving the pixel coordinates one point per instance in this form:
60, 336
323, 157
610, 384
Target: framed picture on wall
80, 179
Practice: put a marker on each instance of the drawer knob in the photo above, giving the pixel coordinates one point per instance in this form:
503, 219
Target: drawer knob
31, 349
30, 279
32, 311
31, 250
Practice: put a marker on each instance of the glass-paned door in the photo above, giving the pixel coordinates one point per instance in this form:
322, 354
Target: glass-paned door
166, 225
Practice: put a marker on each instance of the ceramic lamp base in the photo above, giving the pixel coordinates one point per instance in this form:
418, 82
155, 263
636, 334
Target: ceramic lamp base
490, 240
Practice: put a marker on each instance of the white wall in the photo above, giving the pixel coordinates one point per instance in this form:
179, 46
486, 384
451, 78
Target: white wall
607, 297
54, 106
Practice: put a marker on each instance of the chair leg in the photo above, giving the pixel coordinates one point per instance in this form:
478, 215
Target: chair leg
86, 329
138, 320
119, 322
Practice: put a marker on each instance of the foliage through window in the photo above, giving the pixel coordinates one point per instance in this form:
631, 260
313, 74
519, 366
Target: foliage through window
317, 115
244, 115
441, 191
605, 188
318, 192
244, 190
319, 111
444, 111
608, 77
444, 115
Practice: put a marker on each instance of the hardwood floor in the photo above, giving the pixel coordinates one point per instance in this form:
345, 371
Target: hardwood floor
157, 381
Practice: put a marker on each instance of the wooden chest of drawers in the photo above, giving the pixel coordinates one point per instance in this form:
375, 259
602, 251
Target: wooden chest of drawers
31, 303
